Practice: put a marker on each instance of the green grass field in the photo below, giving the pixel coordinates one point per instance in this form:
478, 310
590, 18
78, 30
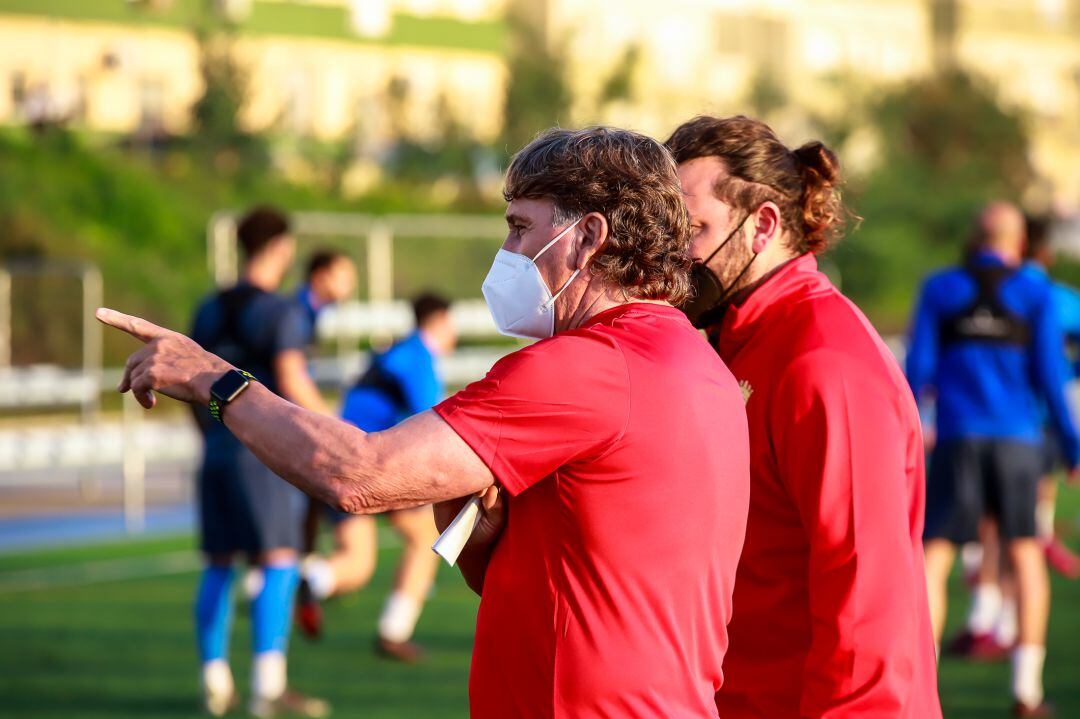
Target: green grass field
124, 648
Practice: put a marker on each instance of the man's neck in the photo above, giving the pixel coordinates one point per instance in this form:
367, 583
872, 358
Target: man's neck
266, 278
429, 340
601, 298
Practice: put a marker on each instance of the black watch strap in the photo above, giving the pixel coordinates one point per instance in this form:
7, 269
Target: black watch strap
228, 388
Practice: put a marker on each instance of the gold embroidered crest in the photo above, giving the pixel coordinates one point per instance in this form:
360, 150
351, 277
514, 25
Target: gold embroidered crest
747, 390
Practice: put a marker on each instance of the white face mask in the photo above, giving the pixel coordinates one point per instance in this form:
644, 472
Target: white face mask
517, 296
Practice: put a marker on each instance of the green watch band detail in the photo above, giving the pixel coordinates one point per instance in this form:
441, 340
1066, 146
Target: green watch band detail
215, 406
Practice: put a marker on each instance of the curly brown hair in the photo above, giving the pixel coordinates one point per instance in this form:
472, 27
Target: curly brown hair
632, 181
804, 183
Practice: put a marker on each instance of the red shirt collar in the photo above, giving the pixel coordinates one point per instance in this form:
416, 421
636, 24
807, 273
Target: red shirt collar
612, 312
742, 317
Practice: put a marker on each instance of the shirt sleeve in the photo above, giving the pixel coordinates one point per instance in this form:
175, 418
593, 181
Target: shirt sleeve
845, 455
549, 405
201, 324
922, 350
1051, 373
292, 330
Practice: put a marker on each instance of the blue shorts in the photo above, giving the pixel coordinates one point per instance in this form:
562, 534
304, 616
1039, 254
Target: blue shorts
245, 507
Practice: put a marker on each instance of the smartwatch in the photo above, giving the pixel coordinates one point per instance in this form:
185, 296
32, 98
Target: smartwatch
226, 389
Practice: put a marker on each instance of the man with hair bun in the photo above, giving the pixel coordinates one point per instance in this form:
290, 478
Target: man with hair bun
830, 609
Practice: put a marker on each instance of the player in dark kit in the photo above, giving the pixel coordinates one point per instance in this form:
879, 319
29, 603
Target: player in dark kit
245, 509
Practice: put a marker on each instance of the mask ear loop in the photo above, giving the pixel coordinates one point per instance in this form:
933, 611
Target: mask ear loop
557, 237
728, 239
547, 305
731, 285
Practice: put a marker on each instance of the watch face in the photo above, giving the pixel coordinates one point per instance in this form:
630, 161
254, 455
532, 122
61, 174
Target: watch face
230, 385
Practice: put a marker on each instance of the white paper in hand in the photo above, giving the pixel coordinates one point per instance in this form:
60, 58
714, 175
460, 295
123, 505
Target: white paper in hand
452, 541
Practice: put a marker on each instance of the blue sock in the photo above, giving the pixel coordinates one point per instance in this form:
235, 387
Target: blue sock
271, 612
213, 612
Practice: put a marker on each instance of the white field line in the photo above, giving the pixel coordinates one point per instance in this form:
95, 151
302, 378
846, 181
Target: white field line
122, 568
96, 572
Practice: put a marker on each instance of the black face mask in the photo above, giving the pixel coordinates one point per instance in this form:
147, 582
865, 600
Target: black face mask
709, 297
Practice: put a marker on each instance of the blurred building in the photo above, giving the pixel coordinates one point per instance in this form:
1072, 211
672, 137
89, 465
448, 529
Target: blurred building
813, 56
388, 68
321, 68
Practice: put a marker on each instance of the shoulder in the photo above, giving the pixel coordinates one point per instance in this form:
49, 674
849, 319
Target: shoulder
206, 313
829, 338
838, 381
565, 357
943, 280
1037, 289
405, 353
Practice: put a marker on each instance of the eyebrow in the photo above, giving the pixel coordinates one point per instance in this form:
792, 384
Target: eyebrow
512, 219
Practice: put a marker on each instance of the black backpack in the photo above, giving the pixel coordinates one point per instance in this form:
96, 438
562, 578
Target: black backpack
987, 319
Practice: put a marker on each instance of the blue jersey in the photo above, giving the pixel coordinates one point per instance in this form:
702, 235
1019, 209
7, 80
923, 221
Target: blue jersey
989, 389
248, 328
306, 300
409, 383
1066, 302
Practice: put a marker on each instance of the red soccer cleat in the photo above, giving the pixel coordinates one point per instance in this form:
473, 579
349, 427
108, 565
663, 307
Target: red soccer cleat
1039, 711
309, 613
1061, 559
977, 647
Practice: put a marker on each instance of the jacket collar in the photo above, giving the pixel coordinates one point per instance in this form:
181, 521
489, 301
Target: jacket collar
746, 314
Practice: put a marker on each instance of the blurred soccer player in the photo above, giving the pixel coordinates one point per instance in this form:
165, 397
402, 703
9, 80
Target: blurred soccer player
986, 339
617, 442
401, 382
1066, 301
330, 278
244, 508
830, 613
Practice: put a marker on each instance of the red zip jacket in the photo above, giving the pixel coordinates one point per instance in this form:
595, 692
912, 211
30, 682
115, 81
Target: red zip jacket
830, 610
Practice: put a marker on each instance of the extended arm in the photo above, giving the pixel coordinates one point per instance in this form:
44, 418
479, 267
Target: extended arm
421, 460
295, 383
418, 462
922, 351
1051, 371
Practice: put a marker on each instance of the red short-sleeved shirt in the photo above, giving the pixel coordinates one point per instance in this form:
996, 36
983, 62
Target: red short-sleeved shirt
623, 446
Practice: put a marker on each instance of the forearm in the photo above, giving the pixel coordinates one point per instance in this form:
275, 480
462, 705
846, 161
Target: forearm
327, 458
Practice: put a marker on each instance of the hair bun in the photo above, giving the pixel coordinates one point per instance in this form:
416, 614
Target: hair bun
822, 210
816, 157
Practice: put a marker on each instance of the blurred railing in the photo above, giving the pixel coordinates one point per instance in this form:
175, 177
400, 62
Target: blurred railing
378, 231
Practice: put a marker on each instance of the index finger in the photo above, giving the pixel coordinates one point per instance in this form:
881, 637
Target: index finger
134, 326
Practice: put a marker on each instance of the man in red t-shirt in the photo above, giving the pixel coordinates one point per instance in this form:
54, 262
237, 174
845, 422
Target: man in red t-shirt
619, 442
830, 606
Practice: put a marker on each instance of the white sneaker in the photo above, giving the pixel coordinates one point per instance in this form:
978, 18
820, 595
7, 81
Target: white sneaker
218, 704
289, 704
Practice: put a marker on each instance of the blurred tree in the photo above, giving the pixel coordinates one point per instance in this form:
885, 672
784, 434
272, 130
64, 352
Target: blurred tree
767, 93
537, 91
945, 147
215, 115
619, 86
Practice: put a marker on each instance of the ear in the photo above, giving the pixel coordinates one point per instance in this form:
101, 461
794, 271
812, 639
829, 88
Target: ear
594, 233
766, 226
